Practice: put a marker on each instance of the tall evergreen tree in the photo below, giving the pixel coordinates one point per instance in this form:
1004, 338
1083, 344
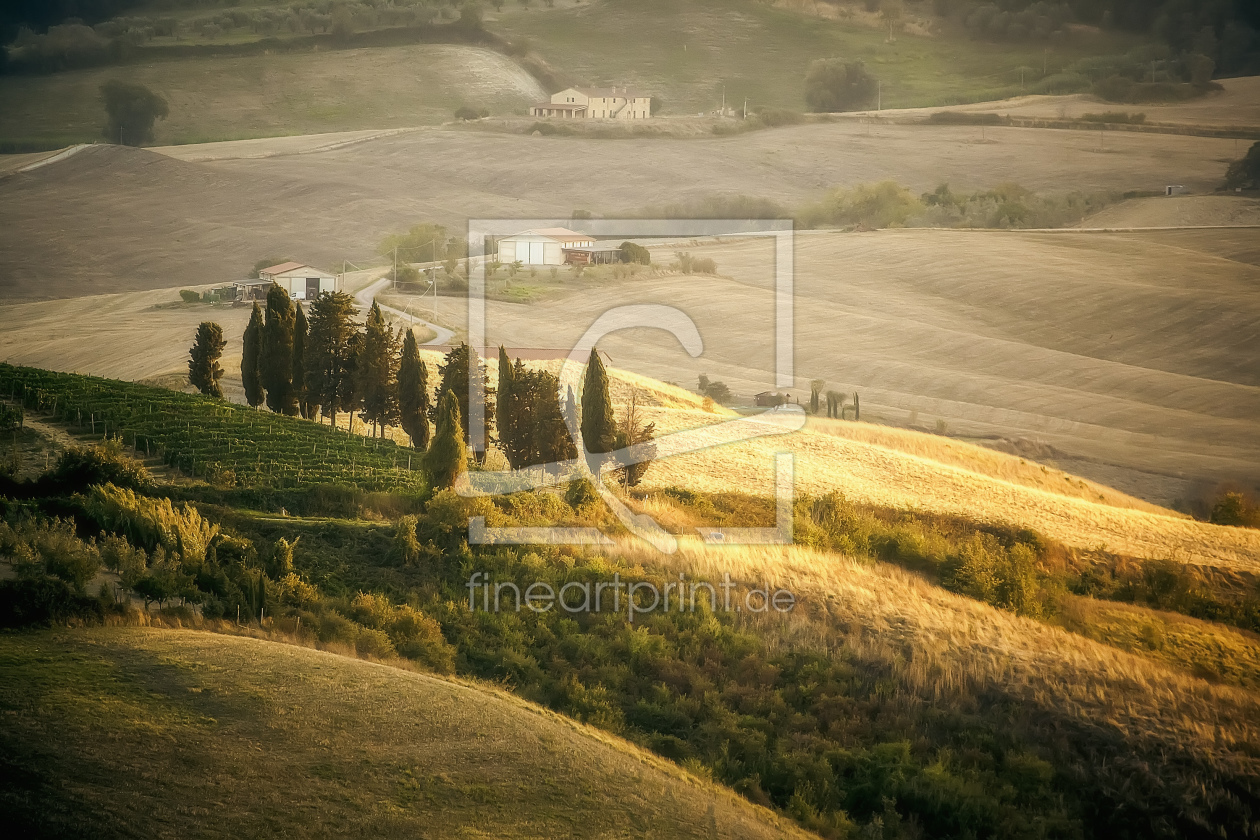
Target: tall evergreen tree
454, 378
277, 351
505, 409
447, 458
552, 441
329, 353
599, 427
413, 393
377, 372
251, 362
204, 371
301, 335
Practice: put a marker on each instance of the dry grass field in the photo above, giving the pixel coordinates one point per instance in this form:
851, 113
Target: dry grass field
115, 219
945, 645
1179, 211
119, 732
1237, 106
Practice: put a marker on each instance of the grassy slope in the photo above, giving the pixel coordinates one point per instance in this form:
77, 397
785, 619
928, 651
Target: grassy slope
260, 96
132, 732
685, 52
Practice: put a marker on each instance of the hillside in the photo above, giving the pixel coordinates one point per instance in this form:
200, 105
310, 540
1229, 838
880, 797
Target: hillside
233, 97
217, 218
134, 732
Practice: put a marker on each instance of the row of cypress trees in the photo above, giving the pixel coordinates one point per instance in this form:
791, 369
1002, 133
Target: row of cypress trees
322, 364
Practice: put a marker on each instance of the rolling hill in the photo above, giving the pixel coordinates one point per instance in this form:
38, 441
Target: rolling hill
65, 232
126, 732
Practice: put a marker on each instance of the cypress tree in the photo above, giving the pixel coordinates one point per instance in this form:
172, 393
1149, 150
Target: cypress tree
251, 372
204, 371
377, 371
328, 355
454, 373
277, 351
413, 393
505, 411
447, 458
599, 427
301, 333
552, 441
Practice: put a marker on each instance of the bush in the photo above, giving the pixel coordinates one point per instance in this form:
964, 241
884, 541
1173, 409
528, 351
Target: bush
82, 467
635, 253
466, 113
1245, 173
833, 84
1062, 83
882, 205
189, 296
1121, 117
44, 601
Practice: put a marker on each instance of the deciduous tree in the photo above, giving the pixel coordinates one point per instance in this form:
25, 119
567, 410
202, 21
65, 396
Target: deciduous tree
131, 109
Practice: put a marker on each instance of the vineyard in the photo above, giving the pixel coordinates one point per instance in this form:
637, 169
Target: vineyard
220, 442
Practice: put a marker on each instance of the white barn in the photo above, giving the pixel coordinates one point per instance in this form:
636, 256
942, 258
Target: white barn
543, 246
301, 281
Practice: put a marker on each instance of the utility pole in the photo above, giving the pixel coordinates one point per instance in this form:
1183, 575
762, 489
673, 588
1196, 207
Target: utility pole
879, 96
746, 114
724, 100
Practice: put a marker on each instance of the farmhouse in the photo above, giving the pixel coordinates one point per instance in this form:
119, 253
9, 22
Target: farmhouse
301, 281
612, 103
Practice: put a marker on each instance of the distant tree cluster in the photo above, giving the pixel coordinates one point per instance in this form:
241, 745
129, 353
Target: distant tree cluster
714, 390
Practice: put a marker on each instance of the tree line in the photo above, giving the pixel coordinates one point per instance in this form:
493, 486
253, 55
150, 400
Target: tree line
320, 365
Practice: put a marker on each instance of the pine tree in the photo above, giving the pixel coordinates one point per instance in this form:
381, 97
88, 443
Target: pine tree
447, 458
552, 441
413, 393
599, 427
277, 351
454, 373
329, 353
203, 363
377, 371
301, 335
251, 352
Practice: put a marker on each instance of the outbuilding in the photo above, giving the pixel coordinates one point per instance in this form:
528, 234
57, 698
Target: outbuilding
542, 246
301, 281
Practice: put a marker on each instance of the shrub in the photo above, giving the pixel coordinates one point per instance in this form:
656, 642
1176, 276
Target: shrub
886, 204
152, 523
189, 296
833, 84
965, 118
82, 467
634, 253
44, 601
1245, 173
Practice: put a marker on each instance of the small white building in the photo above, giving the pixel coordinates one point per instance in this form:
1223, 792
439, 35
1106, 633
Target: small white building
543, 246
614, 103
301, 281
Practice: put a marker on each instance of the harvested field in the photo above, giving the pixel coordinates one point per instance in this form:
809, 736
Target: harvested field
116, 219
